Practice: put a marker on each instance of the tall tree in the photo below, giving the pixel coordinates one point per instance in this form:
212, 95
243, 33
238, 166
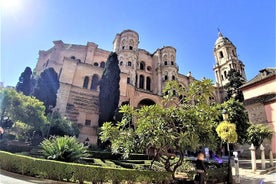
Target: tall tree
109, 90
238, 116
168, 129
236, 80
24, 84
46, 88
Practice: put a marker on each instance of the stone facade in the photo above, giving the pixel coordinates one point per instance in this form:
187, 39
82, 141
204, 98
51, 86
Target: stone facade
260, 101
143, 75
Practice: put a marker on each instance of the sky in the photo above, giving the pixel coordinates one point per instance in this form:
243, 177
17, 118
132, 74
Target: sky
190, 26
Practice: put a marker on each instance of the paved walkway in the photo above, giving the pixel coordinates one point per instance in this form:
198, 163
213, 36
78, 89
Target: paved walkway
14, 178
260, 176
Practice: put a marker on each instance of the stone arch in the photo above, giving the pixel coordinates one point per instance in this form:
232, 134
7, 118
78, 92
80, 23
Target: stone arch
146, 101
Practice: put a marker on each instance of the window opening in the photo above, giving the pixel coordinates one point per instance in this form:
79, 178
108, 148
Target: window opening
148, 83
142, 65
87, 122
221, 54
102, 65
85, 82
95, 82
141, 81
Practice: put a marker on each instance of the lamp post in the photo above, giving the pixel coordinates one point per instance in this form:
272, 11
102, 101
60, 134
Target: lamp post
225, 116
227, 132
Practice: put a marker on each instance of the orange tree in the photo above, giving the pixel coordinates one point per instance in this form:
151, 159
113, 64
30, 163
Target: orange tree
182, 122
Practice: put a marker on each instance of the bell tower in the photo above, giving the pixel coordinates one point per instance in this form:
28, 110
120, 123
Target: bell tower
226, 59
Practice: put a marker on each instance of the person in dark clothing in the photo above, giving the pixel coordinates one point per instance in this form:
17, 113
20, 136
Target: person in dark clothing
200, 168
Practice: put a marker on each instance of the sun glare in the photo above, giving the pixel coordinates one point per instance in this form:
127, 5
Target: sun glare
10, 5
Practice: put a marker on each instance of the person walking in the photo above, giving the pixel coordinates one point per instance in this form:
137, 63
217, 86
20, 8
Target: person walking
200, 168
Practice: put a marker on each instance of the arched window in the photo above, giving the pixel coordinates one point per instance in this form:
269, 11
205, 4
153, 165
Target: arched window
129, 63
121, 63
102, 65
128, 80
96, 64
225, 74
166, 63
85, 82
166, 77
172, 63
95, 82
141, 81
148, 83
220, 54
142, 65
73, 57
173, 77
130, 48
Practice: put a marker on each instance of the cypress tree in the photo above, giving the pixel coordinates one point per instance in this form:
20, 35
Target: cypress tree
236, 80
109, 90
46, 88
24, 84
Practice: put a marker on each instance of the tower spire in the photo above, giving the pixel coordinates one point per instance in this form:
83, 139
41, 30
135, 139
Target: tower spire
219, 32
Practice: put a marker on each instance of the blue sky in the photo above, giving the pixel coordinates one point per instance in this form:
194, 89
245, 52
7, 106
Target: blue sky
190, 26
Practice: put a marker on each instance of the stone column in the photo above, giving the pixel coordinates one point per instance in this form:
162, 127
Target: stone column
262, 156
236, 163
253, 157
271, 157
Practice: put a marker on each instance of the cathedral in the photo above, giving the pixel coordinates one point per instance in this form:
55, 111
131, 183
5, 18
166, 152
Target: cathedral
142, 78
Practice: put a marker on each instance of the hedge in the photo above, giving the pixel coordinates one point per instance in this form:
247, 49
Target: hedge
57, 170
118, 156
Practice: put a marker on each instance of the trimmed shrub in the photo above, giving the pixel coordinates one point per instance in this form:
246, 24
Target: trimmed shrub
57, 170
111, 156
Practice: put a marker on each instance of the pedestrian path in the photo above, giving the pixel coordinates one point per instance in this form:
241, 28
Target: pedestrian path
14, 178
260, 176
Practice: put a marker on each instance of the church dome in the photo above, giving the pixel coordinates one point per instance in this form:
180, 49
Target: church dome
221, 40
